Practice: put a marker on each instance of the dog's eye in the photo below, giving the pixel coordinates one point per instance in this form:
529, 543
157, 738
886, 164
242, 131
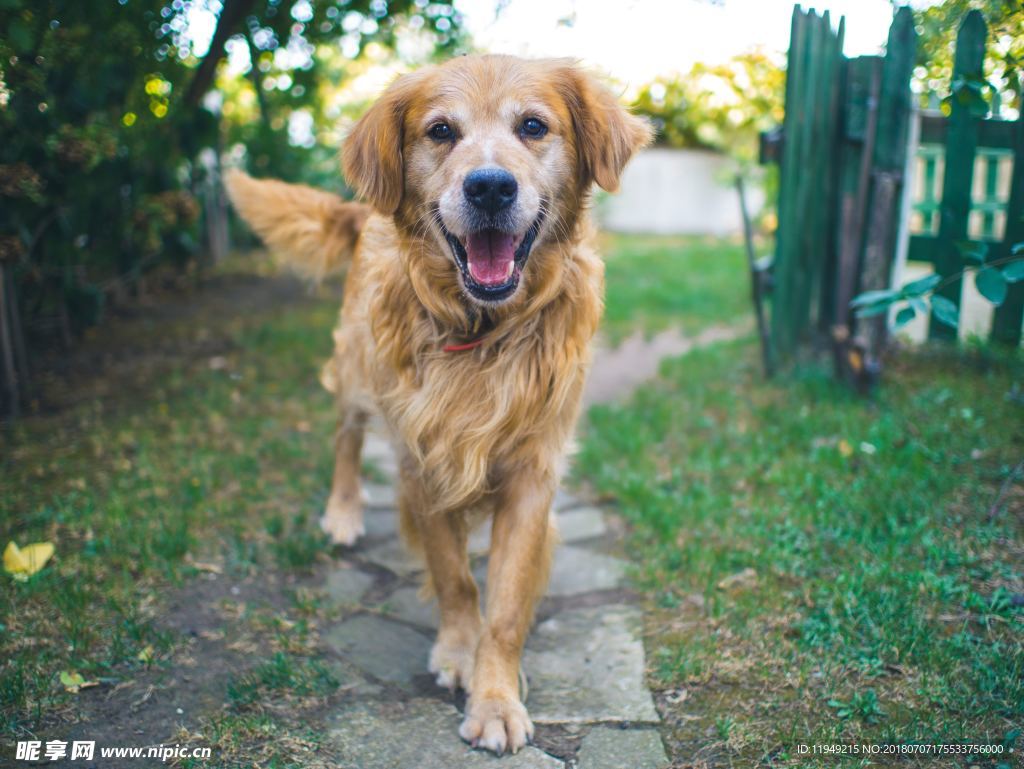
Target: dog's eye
532, 128
441, 132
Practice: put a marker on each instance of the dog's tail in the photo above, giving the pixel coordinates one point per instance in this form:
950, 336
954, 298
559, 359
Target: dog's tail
316, 231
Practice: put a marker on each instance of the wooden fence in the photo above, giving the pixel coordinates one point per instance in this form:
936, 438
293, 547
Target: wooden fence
848, 151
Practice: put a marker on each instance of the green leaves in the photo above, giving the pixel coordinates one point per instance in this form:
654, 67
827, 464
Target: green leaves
972, 252
991, 284
20, 35
945, 311
992, 278
904, 316
872, 303
1014, 271
970, 92
921, 286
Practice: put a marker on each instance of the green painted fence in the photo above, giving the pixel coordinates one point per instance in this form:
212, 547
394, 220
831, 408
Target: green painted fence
844, 205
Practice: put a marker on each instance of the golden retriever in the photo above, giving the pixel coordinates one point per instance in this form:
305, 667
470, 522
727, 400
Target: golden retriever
469, 307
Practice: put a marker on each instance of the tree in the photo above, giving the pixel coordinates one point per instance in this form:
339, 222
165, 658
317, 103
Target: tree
267, 24
937, 27
103, 124
722, 106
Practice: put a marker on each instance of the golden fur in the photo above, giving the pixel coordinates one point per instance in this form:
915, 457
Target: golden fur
479, 431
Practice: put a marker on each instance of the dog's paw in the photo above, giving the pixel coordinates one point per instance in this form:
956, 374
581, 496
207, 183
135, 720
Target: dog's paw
452, 664
343, 521
496, 725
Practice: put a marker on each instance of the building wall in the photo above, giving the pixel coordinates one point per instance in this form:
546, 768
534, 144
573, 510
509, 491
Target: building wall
676, 192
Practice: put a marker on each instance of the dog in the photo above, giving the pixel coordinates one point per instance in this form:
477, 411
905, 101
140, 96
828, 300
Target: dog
472, 294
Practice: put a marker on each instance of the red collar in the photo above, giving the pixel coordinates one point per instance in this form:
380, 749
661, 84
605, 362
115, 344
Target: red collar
466, 346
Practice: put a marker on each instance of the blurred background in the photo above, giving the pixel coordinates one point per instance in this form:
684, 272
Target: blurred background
117, 117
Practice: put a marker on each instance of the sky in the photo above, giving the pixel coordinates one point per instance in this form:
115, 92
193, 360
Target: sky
635, 41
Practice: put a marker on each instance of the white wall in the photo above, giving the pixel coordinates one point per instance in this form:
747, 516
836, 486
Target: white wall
677, 192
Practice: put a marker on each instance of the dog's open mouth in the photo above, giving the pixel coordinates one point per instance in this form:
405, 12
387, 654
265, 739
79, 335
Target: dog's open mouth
492, 261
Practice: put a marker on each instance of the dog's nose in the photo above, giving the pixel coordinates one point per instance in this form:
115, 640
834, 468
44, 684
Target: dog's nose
490, 189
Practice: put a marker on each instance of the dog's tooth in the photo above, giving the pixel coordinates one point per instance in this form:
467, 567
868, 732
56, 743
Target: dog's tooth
510, 268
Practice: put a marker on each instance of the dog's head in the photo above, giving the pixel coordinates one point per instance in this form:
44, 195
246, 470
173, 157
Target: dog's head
490, 157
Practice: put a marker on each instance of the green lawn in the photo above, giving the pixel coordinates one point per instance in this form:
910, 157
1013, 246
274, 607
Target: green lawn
210, 459
654, 282
821, 567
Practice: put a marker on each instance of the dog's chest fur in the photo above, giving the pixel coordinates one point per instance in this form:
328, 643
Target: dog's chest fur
464, 416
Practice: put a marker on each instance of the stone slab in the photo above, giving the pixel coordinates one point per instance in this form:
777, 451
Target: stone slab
393, 556
588, 665
405, 604
609, 748
345, 587
380, 495
581, 523
385, 649
577, 570
380, 523
420, 734
376, 447
480, 538
565, 500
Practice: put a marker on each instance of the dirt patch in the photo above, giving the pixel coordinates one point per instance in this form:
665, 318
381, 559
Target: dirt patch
213, 642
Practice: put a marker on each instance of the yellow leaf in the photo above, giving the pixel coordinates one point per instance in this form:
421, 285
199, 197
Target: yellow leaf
146, 655
745, 578
23, 562
845, 448
72, 681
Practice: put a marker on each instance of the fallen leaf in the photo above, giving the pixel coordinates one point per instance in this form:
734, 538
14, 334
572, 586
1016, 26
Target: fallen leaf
845, 448
743, 578
73, 682
675, 696
146, 655
22, 562
210, 568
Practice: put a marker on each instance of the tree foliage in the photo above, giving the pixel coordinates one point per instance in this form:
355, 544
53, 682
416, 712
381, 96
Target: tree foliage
937, 27
721, 107
109, 134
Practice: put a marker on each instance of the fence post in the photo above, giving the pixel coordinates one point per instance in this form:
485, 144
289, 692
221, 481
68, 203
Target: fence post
783, 331
961, 143
889, 162
824, 252
1006, 323
805, 246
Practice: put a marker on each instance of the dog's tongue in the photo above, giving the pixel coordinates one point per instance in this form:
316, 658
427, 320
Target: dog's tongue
491, 257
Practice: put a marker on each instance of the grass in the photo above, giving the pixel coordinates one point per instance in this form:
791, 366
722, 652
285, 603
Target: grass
654, 282
281, 674
821, 567
215, 460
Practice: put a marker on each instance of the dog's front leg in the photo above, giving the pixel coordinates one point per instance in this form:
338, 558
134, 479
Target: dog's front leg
517, 574
444, 542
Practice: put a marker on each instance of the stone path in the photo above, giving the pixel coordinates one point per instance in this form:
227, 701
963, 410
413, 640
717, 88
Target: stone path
617, 371
584, 659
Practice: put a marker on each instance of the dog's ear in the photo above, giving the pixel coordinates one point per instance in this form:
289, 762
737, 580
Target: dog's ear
372, 155
607, 135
